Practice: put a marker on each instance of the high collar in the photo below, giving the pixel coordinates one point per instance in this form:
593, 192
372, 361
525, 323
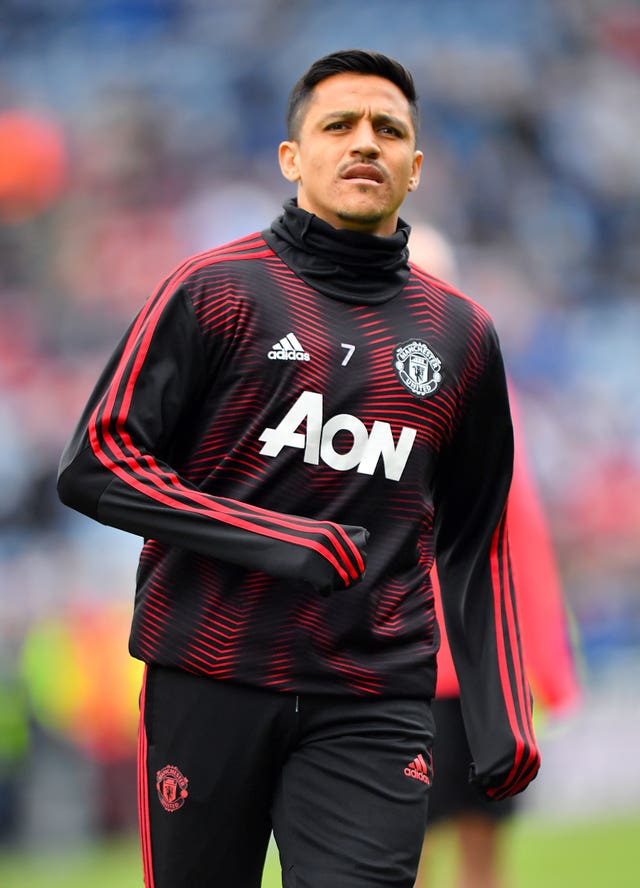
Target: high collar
340, 263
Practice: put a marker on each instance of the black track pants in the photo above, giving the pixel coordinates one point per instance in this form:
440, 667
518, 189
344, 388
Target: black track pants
342, 782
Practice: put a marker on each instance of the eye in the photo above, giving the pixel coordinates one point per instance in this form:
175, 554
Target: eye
336, 125
388, 130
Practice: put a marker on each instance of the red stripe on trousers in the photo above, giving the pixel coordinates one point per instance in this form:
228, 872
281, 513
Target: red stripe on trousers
143, 793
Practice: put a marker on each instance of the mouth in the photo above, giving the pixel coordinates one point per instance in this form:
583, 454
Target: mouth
364, 172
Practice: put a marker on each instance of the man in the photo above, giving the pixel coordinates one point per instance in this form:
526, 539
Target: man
285, 411
480, 826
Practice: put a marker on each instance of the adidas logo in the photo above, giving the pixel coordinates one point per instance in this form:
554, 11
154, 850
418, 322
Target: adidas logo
288, 349
418, 770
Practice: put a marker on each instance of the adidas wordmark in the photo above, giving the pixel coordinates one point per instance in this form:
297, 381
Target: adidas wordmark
288, 349
418, 770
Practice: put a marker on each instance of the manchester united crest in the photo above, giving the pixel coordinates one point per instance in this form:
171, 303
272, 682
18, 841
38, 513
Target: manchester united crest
171, 785
418, 367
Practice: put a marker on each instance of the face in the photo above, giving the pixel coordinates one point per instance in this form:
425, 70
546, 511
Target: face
355, 157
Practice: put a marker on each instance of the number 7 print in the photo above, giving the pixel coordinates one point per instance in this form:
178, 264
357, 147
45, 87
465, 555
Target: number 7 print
350, 350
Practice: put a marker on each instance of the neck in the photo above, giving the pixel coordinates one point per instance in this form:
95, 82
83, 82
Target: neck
342, 263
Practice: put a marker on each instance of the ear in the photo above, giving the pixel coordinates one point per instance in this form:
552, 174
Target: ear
288, 158
414, 179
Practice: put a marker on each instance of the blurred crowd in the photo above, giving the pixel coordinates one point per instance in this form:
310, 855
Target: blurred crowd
136, 132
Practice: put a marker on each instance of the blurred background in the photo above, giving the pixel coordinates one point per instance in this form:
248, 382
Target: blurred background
135, 133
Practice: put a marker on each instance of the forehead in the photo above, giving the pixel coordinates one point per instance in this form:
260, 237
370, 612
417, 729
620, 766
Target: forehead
366, 93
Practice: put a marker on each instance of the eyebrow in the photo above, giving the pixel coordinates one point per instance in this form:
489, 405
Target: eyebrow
380, 117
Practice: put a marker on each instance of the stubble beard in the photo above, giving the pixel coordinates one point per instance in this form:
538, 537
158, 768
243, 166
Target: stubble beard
361, 217
365, 217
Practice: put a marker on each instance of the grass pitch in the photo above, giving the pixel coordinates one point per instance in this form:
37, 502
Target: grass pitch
577, 855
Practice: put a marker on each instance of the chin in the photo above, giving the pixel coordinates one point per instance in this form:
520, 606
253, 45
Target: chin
360, 217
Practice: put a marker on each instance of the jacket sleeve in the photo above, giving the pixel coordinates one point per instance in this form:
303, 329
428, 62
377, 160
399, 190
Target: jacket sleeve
116, 467
477, 586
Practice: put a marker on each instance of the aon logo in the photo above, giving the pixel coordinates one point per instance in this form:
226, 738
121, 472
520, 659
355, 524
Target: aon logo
366, 450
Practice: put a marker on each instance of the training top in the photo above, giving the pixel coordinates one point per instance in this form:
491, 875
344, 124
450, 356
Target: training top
297, 423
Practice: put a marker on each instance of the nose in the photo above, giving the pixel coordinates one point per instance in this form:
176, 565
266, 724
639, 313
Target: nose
365, 142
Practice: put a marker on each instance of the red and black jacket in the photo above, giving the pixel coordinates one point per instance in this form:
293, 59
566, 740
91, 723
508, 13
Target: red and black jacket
283, 411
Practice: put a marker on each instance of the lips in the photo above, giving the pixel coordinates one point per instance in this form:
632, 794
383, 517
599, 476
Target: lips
364, 171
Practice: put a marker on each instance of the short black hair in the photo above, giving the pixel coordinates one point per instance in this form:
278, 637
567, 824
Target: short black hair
348, 61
